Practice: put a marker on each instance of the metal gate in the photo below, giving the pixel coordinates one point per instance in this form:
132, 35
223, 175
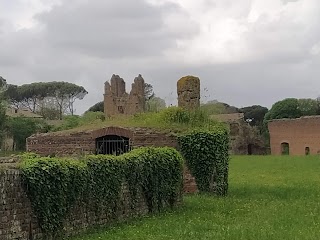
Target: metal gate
113, 145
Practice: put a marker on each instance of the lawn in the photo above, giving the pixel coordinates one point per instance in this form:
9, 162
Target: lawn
269, 198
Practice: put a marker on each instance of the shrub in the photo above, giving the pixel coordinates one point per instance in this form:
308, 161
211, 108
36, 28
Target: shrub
206, 154
54, 185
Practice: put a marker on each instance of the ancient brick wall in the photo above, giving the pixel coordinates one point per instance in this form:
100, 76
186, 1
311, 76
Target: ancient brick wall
118, 101
74, 144
17, 220
299, 133
66, 144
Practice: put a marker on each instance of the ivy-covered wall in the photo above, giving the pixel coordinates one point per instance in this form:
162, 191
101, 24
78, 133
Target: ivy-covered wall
45, 196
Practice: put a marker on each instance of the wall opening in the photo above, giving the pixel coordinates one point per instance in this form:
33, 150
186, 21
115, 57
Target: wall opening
285, 148
112, 145
250, 146
307, 151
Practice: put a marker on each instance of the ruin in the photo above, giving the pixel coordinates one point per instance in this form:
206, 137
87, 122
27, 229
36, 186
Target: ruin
244, 139
300, 136
188, 89
117, 101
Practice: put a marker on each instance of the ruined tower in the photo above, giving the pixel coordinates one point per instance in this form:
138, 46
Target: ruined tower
188, 89
118, 101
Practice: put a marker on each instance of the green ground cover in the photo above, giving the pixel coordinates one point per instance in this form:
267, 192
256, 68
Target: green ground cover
269, 198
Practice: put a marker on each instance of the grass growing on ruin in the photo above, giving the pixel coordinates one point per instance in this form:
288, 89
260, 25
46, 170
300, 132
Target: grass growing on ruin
270, 198
171, 119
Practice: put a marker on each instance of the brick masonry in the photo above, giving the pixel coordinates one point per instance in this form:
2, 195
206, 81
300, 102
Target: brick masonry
74, 144
300, 133
17, 221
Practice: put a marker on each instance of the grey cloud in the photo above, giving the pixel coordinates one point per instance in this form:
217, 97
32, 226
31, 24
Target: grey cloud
87, 42
109, 29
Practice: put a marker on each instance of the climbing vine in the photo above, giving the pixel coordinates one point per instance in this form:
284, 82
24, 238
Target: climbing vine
207, 157
54, 185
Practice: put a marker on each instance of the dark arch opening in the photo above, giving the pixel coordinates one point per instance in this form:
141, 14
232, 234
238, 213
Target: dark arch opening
112, 145
285, 148
307, 151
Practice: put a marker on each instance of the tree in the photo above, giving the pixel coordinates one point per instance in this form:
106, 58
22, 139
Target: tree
254, 114
20, 128
287, 108
35, 96
155, 104
148, 91
214, 107
308, 106
98, 107
3, 120
3, 85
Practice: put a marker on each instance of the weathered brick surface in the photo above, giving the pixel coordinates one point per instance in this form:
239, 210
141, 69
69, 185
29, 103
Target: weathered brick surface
117, 101
298, 133
84, 143
17, 221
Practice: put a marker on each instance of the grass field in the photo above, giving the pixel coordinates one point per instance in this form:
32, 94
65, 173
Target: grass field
269, 198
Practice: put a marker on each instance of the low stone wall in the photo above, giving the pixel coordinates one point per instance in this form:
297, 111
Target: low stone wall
17, 220
68, 144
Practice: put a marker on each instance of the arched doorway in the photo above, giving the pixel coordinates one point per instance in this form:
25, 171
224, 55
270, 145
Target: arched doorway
285, 148
307, 151
113, 145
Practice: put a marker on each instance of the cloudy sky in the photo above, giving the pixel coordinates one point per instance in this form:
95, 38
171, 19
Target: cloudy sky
244, 51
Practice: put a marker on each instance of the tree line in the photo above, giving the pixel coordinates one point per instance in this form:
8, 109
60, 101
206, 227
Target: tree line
51, 100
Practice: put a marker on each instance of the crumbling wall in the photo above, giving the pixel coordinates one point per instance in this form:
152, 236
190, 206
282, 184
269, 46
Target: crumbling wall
118, 101
188, 89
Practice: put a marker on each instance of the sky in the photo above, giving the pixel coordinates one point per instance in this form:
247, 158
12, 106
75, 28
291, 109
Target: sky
245, 52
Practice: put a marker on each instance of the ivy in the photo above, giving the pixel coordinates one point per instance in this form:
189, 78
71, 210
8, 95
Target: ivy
207, 157
54, 185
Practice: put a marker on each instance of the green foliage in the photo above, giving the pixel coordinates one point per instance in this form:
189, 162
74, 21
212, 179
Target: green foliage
207, 157
215, 107
54, 185
59, 96
21, 128
308, 106
287, 108
3, 120
169, 119
98, 107
155, 104
70, 122
271, 197
254, 114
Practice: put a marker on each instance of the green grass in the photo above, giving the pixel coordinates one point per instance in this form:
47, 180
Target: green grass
269, 198
170, 119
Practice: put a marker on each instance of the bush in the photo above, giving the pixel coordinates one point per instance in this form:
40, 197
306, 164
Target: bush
54, 185
207, 157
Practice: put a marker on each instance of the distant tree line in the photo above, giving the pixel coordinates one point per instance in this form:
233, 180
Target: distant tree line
50, 99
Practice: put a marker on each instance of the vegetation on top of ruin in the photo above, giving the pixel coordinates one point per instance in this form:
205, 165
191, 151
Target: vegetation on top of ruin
172, 119
184, 80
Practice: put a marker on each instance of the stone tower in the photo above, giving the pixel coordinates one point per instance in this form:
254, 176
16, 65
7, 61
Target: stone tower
188, 89
117, 101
